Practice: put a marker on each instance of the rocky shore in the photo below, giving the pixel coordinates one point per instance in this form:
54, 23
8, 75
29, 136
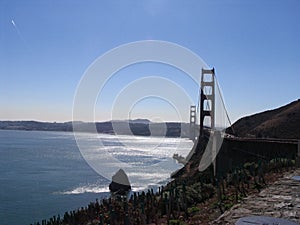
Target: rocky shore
255, 189
280, 199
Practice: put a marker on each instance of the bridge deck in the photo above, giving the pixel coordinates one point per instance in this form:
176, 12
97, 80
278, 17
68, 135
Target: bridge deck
268, 140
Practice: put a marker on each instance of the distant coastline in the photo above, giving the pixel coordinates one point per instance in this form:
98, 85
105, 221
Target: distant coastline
140, 127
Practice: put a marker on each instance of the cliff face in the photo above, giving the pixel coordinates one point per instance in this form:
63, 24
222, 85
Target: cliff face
283, 122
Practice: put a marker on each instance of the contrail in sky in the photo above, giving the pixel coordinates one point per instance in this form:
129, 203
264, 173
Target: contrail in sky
15, 26
19, 33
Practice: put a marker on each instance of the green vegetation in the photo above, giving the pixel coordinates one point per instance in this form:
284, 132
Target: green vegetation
177, 222
193, 210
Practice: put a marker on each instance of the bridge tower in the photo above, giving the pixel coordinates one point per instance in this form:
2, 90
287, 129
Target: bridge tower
207, 111
192, 122
207, 99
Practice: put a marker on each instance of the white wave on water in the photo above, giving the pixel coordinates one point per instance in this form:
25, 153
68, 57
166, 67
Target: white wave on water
149, 180
96, 190
85, 189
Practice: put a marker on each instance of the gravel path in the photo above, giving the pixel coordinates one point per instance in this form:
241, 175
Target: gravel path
281, 200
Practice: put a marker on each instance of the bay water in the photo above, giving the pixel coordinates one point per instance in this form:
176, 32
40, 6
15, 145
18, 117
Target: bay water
43, 174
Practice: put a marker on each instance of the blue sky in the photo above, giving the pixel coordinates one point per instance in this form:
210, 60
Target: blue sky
46, 46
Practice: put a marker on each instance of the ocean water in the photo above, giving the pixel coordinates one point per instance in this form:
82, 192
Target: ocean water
44, 173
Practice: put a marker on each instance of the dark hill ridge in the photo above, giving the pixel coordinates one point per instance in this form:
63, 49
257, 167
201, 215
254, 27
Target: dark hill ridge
140, 127
283, 122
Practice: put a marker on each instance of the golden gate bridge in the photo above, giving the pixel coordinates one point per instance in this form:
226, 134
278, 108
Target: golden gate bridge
214, 138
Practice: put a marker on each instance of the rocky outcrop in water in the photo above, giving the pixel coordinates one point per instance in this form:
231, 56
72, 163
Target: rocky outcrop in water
120, 183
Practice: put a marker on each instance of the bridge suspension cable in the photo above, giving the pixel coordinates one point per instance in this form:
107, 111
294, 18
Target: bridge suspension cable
222, 99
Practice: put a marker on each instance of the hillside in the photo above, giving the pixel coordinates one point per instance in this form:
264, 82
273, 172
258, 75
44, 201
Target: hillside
141, 127
283, 122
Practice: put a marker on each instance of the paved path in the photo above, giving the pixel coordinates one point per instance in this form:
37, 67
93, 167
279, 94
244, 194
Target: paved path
281, 199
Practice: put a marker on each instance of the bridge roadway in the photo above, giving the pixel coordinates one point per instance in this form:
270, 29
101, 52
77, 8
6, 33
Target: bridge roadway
235, 151
269, 140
